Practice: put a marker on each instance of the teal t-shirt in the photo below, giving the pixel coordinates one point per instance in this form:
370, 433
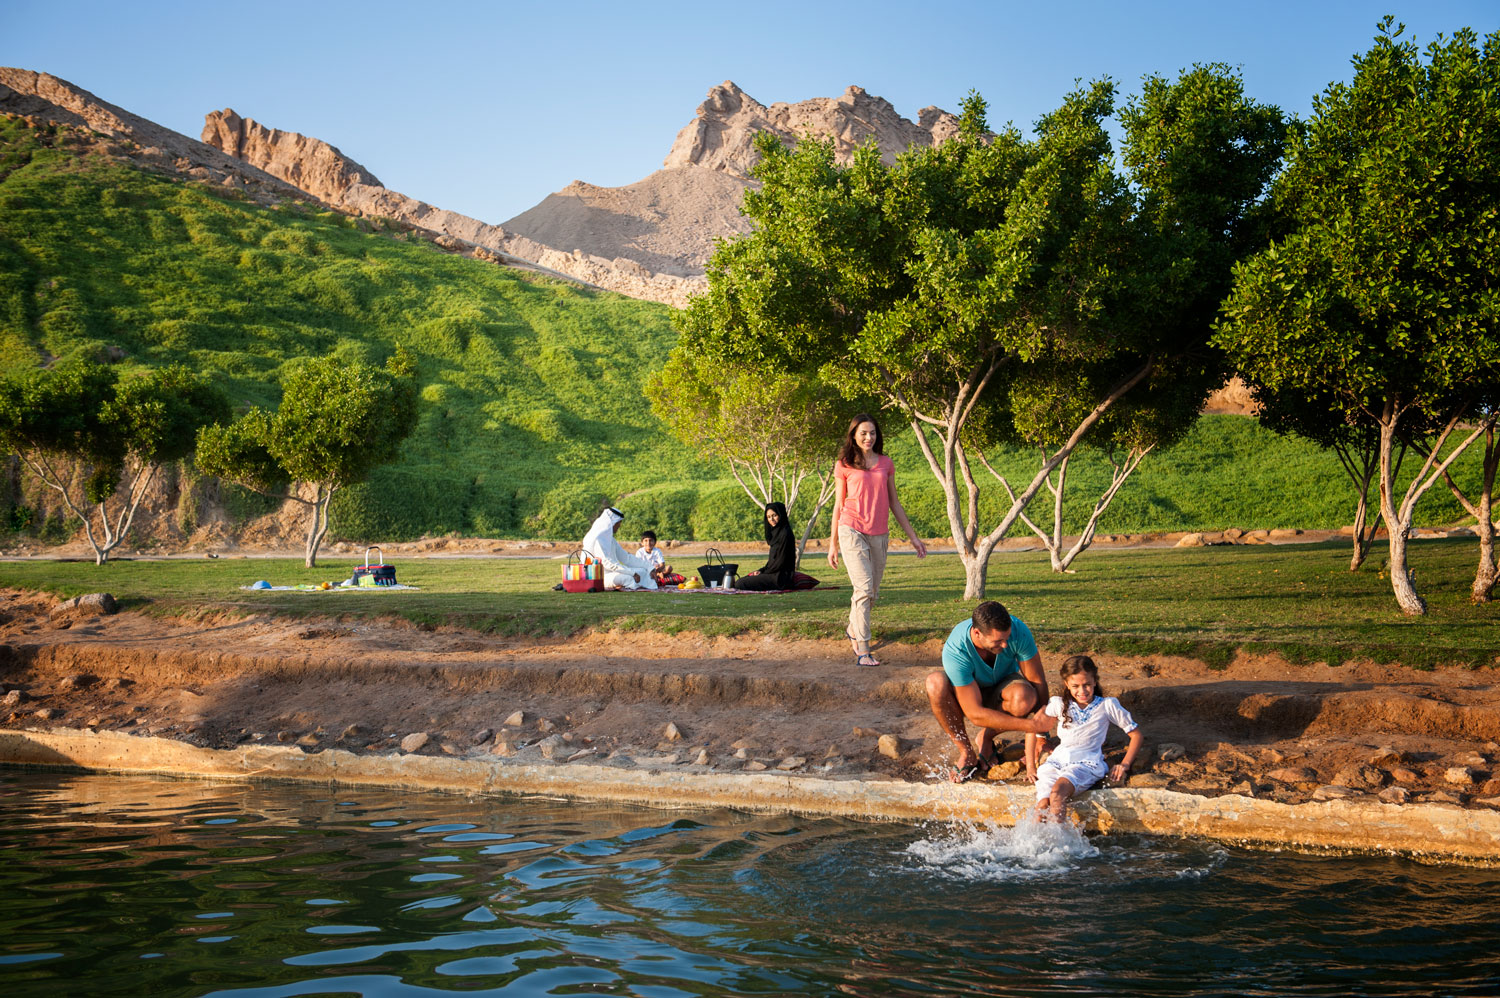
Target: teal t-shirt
963, 665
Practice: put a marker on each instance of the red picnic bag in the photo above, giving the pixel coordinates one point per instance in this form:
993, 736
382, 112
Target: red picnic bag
582, 574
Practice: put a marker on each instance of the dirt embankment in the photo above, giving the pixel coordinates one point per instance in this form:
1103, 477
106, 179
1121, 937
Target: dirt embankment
1260, 727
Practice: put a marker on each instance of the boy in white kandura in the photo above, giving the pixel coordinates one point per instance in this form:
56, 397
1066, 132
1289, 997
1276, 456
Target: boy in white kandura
1083, 716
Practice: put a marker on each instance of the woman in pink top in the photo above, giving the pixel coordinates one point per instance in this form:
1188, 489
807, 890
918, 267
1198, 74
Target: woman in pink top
865, 500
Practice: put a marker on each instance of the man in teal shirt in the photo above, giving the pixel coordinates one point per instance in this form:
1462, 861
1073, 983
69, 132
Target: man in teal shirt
991, 676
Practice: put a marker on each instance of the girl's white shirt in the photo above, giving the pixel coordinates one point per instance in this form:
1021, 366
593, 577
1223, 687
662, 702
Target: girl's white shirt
1082, 738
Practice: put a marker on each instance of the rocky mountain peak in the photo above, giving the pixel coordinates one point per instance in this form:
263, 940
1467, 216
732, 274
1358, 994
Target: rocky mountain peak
721, 135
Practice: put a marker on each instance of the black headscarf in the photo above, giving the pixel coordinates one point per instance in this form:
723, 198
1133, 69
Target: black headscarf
783, 561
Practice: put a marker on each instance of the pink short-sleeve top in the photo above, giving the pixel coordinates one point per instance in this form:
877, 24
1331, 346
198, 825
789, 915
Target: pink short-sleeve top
867, 497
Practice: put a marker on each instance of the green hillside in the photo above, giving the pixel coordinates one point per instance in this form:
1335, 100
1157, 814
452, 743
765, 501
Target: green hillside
532, 406
532, 386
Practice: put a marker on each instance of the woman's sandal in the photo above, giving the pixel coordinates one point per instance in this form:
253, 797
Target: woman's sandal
860, 656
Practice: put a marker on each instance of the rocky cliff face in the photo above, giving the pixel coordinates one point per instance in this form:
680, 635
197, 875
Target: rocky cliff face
323, 171
311, 164
722, 134
47, 98
650, 239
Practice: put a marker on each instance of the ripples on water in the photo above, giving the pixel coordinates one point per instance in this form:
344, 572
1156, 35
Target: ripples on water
112, 885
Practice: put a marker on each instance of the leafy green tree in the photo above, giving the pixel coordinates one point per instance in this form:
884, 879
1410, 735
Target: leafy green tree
774, 430
99, 440
336, 423
996, 288
1380, 296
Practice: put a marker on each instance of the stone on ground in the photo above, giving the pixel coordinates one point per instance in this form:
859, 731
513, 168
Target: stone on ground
889, 746
414, 741
1332, 792
87, 603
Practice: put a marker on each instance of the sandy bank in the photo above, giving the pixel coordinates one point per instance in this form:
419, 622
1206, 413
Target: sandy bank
1434, 833
719, 711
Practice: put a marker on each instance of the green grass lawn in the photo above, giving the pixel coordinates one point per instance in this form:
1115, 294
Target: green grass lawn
1298, 600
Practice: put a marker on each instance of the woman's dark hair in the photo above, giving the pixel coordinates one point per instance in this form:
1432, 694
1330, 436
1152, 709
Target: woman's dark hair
1072, 666
850, 453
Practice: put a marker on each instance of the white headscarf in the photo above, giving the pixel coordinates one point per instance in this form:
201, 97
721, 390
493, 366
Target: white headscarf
601, 543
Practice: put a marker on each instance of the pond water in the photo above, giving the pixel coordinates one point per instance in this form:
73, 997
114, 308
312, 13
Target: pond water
132, 886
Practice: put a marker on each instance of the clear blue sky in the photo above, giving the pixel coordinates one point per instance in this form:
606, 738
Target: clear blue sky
485, 108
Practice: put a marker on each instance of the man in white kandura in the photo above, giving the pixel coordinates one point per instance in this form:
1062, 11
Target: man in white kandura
622, 570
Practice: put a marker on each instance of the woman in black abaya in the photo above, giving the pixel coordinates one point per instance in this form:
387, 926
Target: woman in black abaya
780, 570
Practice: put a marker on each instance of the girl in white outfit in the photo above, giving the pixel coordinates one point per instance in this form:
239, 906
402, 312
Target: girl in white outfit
1084, 716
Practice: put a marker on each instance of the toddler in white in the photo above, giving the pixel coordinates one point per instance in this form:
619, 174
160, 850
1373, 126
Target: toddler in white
1083, 718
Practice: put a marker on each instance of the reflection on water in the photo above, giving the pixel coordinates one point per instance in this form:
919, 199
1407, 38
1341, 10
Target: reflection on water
128, 886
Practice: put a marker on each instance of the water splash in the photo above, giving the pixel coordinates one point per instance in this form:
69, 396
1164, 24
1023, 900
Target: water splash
988, 852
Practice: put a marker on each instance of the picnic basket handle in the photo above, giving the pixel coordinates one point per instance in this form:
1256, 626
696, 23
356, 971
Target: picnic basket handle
575, 557
367, 555
710, 554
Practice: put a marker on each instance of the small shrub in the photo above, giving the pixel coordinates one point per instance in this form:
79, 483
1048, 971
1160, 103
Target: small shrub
242, 505
726, 514
669, 512
567, 511
492, 509
399, 504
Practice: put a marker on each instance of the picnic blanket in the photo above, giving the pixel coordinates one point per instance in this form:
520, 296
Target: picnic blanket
331, 589
744, 592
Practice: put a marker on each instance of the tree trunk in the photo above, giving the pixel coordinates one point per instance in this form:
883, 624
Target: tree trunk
1398, 520
1362, 539
319, 525
1484, 577
975, 571
1402, 583
1360, 457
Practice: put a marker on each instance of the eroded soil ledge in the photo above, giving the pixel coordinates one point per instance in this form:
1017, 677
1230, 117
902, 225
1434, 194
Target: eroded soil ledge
1360, 734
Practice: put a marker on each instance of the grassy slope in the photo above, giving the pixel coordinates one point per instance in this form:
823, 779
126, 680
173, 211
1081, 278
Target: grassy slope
532, 408
530, 383
1298, 600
